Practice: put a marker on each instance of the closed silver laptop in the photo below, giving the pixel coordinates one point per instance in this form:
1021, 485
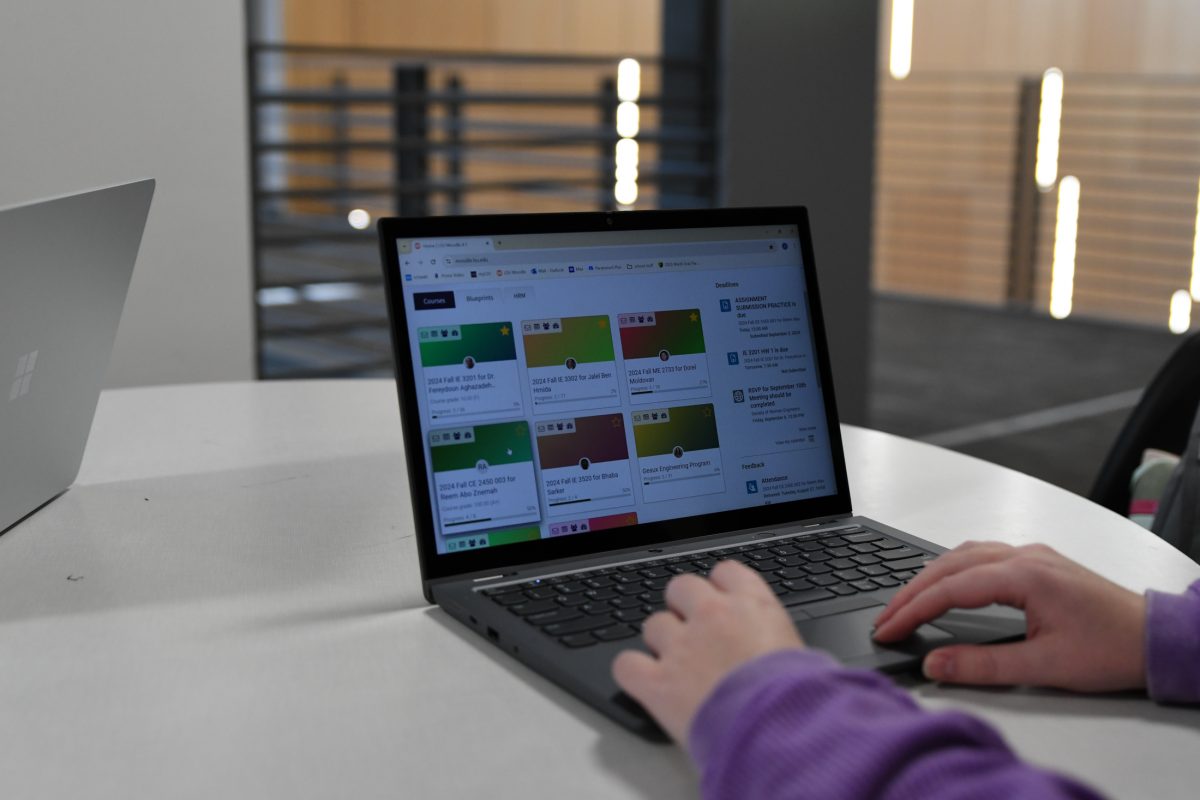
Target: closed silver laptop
65, 266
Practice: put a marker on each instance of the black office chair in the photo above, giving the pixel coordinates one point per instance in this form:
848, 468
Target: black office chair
1161, 419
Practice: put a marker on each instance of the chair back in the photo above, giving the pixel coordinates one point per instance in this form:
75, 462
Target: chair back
1161, 419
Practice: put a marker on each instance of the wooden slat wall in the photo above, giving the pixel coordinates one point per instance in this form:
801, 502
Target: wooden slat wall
945, 182
1131, 140
1134, 144
944, 179
541, 26
1023, 37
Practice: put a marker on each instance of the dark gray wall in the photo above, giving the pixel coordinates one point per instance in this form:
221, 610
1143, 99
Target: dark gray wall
799, 127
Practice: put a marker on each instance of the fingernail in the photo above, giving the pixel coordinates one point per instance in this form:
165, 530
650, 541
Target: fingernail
938, 667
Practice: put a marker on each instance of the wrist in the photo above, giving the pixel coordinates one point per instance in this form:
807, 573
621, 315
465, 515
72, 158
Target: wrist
1172, 647
1136, 647
733, 692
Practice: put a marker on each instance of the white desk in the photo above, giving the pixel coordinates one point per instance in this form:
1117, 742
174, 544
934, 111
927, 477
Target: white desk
228, 604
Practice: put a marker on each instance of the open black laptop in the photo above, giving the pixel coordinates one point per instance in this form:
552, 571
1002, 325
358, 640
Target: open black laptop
593, 403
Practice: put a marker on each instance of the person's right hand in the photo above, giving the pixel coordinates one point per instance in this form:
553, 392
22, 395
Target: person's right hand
1084, 632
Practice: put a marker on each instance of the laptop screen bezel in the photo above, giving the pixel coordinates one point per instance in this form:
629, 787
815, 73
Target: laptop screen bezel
436, 566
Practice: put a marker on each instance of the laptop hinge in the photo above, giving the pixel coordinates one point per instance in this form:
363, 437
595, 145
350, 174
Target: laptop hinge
525, 571
819, 521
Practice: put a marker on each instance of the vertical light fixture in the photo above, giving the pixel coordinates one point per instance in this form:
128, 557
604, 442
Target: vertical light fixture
900, 56
1181, 312
1195, 287
1062, 271
1045, 170
629, 89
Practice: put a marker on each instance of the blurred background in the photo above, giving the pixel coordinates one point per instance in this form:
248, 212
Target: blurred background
1005, 193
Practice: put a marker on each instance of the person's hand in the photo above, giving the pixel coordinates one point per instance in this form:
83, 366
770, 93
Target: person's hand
1084, 633
711, 627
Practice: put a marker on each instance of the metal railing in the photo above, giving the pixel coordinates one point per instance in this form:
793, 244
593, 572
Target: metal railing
339, 136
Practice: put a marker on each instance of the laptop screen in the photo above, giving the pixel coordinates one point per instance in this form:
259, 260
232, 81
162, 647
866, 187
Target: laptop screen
572, 384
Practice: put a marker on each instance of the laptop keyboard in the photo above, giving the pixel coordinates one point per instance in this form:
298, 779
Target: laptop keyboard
603, 605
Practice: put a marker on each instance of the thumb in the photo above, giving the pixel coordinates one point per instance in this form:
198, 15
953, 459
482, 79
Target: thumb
635, 672
994, 664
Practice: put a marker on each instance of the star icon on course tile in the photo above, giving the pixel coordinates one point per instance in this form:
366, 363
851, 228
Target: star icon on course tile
693, 316
504, 330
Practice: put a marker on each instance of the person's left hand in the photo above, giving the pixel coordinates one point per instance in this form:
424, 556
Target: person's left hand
710, 628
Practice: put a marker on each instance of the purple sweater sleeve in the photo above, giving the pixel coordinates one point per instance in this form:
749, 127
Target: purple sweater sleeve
795, 724
1173, 646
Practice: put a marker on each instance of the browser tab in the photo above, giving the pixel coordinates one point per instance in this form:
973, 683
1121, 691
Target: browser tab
449, 246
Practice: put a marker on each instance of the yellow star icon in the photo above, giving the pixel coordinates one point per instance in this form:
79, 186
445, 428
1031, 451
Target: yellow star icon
504, 330
693, 316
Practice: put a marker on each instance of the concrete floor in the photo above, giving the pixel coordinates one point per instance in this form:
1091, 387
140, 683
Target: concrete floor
939, 367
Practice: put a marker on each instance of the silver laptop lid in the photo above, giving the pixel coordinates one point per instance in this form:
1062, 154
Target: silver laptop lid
65, 266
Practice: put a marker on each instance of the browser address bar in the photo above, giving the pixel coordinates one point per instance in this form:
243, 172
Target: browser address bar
640, 252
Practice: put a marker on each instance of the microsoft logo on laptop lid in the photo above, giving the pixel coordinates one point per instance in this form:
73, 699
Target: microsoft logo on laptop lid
24, 375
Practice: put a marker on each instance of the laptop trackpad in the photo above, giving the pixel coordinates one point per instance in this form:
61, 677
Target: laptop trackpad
848, 635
